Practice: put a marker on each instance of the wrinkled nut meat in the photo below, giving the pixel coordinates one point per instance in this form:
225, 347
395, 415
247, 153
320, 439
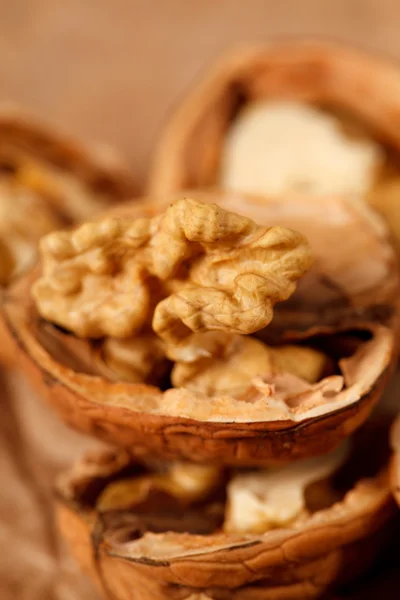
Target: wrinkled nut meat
180, 483
46, 181
214, 270
234, 542
134, 359
292, 117
207, 394
234, 361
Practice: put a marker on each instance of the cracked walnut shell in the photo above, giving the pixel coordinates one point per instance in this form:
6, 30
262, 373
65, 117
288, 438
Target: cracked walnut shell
346, 323
47, 181
125, 524
301, 116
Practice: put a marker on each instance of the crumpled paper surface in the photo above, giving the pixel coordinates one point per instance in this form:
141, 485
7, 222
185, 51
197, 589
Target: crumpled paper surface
34, 447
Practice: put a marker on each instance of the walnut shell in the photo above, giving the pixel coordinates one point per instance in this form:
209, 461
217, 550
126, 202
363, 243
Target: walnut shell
359, 90
48, 180
24, 138
153, 554
251, 430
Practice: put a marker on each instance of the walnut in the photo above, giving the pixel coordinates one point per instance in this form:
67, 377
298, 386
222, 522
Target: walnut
136, 359
303, 125
242, 272
75, 180
184, 483
235, 361
24, 219
263, 500
46, 181
270, 418
92, 281
306, 363
255, 161
294, 537
61, 188
222, 272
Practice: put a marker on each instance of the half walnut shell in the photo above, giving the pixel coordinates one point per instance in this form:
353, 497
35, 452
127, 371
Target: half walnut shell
77, 180
345, 313
311, 116
128, 533
47, 181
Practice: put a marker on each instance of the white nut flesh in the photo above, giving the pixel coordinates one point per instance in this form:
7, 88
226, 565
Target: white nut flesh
276, 147
262, 500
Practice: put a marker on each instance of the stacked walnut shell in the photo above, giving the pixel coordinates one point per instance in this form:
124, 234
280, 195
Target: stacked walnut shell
232, 343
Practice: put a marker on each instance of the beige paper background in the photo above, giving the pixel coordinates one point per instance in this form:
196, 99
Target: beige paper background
113, 70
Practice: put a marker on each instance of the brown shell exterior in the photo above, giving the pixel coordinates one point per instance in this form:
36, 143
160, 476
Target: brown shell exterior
319, 72
296, 564
167, 437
